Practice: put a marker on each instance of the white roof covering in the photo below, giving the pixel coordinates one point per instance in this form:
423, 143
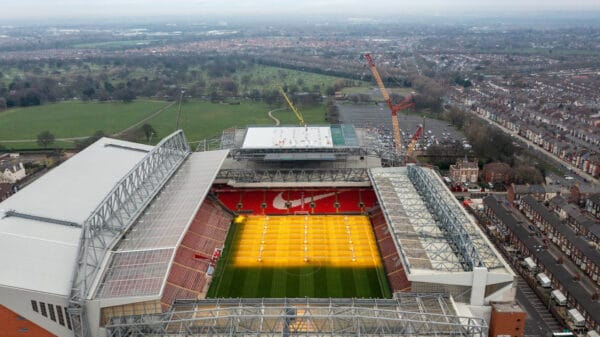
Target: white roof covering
286, 137
140, 262
38, 255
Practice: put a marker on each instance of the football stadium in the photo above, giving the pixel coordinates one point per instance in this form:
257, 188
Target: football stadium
266, 231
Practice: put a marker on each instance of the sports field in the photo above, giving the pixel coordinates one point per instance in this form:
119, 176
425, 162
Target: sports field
298, 256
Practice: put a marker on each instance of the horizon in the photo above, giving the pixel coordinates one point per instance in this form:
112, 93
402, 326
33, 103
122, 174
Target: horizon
78, 11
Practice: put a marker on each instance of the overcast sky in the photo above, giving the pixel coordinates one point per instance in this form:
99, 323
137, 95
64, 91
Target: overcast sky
52, 9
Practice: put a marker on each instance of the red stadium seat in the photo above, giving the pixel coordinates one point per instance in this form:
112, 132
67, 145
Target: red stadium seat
293, 201
393, 266
187, 276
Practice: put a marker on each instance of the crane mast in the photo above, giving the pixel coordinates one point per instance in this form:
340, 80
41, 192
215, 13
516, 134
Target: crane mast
406, 103
293, 107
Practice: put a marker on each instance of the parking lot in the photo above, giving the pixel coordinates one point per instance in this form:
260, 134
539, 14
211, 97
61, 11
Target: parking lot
379, 117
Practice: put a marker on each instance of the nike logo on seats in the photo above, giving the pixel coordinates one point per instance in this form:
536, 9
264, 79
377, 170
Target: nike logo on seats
279, 202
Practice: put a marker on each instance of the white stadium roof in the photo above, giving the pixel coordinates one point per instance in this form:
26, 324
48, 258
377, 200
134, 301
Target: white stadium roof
39, 254
140, 262
285, 137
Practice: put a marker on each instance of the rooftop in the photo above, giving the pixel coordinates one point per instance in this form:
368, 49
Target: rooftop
576, 240
507, 307
140, 262
43, 240
559, 272
288, 137
423, 237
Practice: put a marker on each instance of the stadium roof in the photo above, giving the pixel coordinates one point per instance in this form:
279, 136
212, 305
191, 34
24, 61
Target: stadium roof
140, 262
288, 137
43, 235
432, 231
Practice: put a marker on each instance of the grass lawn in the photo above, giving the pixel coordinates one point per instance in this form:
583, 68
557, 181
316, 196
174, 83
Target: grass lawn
264, 77
73, 119
230, 280
201, 120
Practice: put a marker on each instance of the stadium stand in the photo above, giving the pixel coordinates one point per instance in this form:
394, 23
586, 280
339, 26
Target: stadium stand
188, 276
314, 201
394, 269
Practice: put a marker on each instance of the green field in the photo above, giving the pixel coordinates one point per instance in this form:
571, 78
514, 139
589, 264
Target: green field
72, 119
201, 120
230, 281
264, 77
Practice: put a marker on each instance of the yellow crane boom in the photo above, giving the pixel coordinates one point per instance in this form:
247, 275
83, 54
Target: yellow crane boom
293, 107
388, 100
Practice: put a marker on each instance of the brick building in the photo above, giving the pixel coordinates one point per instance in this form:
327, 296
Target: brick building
497, 173
464, 171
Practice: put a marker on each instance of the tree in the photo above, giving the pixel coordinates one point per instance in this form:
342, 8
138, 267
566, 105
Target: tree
149, 131
45, 138
82, 144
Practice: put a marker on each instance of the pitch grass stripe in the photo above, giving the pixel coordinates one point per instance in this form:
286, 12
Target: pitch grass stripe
293, 281
380, 278
236, 285
279, 285
361, 276
307, 282
334, 282
266, 282
348, 282
252, 281
321, 289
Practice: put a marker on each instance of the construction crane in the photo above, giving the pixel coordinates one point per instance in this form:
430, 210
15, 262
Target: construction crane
407, 102
414, 140
293, 107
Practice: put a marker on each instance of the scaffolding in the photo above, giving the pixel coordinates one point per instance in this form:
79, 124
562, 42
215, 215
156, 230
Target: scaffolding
462, 232
295, 175
119, 209
405, 315
431, 230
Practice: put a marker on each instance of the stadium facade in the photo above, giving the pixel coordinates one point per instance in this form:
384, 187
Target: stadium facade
123, 239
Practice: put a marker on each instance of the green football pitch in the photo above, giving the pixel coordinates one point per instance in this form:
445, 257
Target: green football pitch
231, 280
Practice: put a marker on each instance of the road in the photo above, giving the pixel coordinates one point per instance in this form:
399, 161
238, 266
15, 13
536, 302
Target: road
539, 321
270, 113
530, 144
